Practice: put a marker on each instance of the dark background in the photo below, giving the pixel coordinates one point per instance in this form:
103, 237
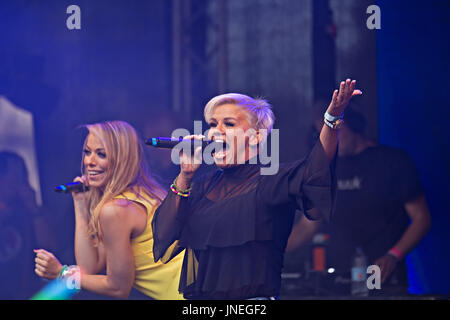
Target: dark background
121, 65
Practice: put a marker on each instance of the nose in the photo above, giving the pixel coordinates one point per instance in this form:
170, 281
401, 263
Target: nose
221, 129
89, 161
216, 133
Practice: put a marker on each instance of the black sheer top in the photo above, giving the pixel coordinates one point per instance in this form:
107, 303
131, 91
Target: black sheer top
235, 225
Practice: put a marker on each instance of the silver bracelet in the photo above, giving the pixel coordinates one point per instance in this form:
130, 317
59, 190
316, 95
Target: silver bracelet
69, 271
331, 118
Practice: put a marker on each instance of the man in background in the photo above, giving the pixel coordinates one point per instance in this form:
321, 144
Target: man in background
380, 207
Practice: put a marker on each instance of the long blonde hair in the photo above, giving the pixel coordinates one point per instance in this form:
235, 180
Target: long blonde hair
127, 169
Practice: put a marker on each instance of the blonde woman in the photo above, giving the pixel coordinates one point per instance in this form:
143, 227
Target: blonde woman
113, 220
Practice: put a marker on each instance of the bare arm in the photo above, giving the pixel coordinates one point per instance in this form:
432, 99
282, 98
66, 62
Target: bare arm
339, 101
88, 256
302, 233
329, 140
116, 229
117, 225
417, 210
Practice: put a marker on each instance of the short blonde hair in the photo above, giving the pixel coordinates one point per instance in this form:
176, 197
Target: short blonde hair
259, 110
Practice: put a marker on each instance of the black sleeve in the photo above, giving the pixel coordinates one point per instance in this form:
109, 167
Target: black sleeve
407, 177
309, 183
169, 220
166, 226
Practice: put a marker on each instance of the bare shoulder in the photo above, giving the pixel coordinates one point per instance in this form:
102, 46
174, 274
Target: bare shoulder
113, 213
116, 208
122, 213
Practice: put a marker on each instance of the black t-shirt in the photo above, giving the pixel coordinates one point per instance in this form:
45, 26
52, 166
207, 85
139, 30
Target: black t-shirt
372, 189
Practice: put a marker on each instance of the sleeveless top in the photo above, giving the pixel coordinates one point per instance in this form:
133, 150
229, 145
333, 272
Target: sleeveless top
155, 279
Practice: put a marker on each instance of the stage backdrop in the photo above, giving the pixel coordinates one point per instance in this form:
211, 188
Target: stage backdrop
119, 66
413, 92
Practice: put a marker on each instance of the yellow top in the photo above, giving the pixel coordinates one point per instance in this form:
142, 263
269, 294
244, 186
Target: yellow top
157, 280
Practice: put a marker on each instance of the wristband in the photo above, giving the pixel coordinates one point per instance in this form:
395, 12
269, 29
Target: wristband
334, 125
396, 253
177, 192
72, 276
63, 269
174, 184
332, 121
331, 118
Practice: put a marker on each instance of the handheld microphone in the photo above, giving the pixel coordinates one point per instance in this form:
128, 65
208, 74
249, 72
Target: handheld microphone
71, 187
170, 143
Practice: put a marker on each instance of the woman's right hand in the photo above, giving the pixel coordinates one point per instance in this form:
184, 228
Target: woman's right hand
80, 198
189, 164
46, 264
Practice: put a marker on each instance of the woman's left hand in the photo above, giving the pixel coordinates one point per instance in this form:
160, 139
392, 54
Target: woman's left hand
47, 265
341, 98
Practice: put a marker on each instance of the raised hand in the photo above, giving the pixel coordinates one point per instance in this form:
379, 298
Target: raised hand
342, 97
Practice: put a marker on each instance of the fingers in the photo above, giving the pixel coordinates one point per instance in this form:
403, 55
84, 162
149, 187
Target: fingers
46, 264
39, 273
341, 92
40, 262
44, 258
41, 268
350, 91
357, 93
194, 137
83, 179
197, 150
348, 88
43, 254
346, 91
43, 273
352, 85
386, 267
386, 271
334, 97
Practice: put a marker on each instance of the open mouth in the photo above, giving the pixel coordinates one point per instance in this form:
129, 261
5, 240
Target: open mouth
220, 154
220, 151
95, 174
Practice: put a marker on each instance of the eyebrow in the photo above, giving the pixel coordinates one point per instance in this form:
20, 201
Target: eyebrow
98, 149
227, 118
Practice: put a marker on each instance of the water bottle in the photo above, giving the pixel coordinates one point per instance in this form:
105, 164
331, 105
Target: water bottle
359, 276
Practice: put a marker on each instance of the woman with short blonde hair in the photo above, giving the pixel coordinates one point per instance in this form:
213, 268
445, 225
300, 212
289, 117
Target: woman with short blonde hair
234, 222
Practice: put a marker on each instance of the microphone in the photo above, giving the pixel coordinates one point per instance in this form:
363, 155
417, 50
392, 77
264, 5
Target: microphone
71, 187
170, 143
